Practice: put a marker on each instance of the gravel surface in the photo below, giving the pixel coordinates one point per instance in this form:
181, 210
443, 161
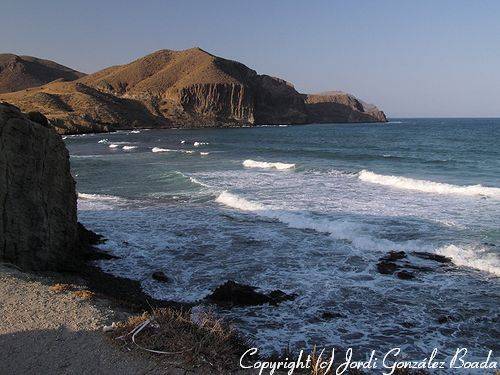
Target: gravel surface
46, 332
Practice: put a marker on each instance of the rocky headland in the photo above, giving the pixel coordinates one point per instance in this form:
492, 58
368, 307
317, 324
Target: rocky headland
190, 88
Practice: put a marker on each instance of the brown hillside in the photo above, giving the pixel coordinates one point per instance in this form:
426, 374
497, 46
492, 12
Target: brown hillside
21, 72
190, 88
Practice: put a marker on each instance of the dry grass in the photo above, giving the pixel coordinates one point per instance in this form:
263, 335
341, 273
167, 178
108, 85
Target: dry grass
84, 294
60, 288
206, 343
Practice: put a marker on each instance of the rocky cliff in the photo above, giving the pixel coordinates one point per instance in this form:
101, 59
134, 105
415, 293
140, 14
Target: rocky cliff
190, 88
38, 223
21, 72
322, 108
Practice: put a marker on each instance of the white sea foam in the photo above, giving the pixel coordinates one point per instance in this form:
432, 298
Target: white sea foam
198, 182
358, 234
135, 131
127, 148
197, 144
97, 202
159, 149
355, 233
113, 146
428, 186
103, 141
477, 258
234, 201
204, 153
264, 164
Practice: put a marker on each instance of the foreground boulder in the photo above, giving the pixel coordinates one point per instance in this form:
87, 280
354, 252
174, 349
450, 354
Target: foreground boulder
38, 221
232, 293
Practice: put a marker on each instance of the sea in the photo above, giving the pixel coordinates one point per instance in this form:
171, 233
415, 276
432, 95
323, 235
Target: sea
310, 210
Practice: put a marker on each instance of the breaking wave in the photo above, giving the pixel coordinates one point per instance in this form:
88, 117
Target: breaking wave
355, 233
359, 234
197, 144
428, 186
97, 202
264, 164
159, 149
477, 258
127, 148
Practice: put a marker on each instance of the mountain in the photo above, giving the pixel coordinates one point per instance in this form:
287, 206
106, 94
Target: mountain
190, 88
21, 72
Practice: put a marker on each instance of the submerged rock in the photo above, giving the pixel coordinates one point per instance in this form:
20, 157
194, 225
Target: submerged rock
160, 276
232, 293
405, 275
394, 255
386, 267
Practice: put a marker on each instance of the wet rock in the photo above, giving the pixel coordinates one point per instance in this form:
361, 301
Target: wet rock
328, 315
160, 276
394, 255
405, 275
386, 267
88, 237
431, 256
232, 293
445, 319
278, 296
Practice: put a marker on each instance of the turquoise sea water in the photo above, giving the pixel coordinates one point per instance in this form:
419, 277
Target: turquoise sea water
310, 210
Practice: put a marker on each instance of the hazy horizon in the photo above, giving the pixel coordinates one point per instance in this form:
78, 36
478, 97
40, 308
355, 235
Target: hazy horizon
411, 60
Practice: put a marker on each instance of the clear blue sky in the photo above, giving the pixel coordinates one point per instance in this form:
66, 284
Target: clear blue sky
412, 58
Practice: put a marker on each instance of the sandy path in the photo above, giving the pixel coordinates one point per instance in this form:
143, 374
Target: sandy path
42, 332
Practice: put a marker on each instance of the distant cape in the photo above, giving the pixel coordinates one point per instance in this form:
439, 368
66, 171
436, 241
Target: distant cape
190, 88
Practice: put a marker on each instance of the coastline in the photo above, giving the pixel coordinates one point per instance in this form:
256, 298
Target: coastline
53, 323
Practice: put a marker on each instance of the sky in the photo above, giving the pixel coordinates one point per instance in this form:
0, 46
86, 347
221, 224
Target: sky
411, 58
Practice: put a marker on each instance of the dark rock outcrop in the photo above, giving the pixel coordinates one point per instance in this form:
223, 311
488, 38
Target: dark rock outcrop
232, 293
160, 276
190, 88
386, 267
407, 266
38, 223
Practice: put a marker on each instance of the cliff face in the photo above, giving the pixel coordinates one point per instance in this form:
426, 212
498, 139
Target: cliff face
21, 72
343, 107
38, 223
190, 88
218, 103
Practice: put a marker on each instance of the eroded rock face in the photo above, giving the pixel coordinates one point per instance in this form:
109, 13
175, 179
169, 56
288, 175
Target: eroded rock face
224, 102
38, 221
